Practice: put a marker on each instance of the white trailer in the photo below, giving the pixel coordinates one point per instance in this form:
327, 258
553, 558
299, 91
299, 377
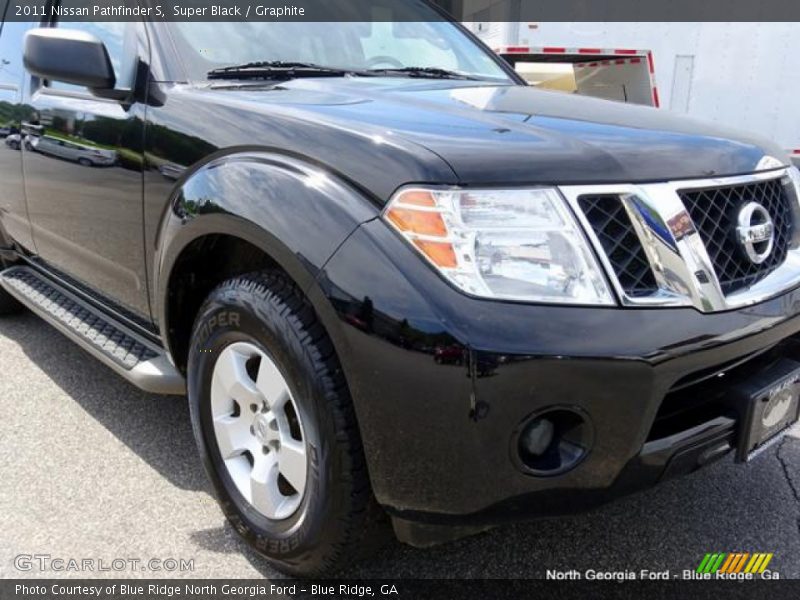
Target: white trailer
738, 74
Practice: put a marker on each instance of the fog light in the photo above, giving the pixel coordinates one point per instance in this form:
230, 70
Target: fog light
552, 442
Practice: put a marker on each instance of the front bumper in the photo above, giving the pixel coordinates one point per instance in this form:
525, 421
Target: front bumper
441, 381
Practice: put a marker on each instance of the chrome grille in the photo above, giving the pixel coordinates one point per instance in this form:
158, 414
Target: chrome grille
685, 232
714, 212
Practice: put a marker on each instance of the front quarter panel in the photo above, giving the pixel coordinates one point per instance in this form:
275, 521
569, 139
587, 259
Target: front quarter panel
296, 213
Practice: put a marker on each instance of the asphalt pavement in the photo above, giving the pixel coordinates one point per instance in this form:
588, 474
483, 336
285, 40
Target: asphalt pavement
92, 468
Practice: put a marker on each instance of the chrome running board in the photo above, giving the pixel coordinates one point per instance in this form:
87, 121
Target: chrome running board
135, 358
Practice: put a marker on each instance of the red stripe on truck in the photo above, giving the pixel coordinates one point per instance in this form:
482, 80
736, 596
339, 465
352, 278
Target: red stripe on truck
554, 50
589, 51
656, 103
650, 62
619, 51
517, 50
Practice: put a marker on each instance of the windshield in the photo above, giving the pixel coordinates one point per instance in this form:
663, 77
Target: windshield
343, 45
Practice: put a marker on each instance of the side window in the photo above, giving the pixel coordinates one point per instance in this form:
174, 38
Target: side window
119, 39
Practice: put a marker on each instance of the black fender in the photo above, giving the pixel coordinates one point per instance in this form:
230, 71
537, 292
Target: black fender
296, 212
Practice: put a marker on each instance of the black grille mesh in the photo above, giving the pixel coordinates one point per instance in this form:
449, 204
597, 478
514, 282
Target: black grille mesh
715, 211
616, 234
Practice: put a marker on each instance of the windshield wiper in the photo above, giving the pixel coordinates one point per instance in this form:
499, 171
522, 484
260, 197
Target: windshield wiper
427, 72
275, 69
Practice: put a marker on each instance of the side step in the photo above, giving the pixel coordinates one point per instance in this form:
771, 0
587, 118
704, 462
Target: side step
138, 360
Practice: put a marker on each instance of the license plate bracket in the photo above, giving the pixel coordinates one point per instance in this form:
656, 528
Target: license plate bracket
769, 404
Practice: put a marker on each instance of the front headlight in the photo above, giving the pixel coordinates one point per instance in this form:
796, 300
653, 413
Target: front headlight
506, 244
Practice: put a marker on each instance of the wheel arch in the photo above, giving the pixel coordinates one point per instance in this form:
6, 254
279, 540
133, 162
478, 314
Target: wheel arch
245, 212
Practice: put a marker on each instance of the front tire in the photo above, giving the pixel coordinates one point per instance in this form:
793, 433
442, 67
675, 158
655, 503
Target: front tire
275, 427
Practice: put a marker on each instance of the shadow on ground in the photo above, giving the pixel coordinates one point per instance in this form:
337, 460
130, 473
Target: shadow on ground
156, 428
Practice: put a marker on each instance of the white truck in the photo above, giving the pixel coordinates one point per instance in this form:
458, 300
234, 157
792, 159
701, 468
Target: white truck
732, 73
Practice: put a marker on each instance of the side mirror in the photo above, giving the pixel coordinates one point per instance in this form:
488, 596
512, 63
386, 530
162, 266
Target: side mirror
69, 55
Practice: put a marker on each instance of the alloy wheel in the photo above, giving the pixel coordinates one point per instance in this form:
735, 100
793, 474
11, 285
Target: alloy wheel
258, 430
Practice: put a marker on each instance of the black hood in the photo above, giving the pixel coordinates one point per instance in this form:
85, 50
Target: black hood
509, 134
522, 133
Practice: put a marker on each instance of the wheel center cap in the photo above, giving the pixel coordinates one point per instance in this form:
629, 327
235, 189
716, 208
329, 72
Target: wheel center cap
263, 428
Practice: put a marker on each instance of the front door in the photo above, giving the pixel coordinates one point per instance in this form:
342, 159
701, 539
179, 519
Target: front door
85, 205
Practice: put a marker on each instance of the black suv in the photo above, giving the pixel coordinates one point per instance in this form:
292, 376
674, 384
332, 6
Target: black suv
398, 285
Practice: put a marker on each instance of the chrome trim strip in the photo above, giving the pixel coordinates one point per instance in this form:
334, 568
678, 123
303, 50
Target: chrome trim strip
681, 264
